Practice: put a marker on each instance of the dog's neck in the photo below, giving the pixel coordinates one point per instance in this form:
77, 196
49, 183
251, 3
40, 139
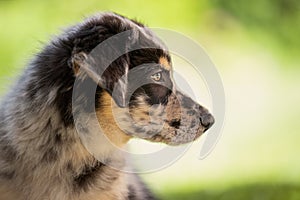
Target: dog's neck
36, 144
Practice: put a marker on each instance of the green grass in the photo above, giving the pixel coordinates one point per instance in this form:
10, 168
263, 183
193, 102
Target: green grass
241, 192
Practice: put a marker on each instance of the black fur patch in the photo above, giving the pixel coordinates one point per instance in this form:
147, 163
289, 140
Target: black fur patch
87, 175
50, 156
148, 55
175, 123
131, 193
7, 175
8, 153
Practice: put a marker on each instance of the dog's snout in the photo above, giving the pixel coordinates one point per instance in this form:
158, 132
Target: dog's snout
207, 120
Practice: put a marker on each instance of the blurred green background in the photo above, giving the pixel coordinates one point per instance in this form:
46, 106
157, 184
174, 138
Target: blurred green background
255, 46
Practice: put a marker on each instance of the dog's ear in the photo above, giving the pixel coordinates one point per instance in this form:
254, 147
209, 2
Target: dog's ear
112, 78
103, 55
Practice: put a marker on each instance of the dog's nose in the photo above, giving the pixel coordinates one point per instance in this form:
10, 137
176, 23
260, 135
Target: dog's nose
207, 120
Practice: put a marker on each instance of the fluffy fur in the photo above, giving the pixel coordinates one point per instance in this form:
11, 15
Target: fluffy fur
42, 154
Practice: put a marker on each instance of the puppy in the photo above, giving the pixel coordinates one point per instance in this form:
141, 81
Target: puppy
50, 148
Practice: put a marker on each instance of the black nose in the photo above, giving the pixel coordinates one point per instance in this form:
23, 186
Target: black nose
207, 120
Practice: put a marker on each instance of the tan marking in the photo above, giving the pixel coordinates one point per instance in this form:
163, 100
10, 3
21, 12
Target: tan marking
107, 121
164, 62
76, 70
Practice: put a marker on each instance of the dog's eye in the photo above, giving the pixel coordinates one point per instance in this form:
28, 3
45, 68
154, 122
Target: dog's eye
156, 76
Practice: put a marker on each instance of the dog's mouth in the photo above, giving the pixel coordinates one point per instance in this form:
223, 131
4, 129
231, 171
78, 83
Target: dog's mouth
176, 131
176, 137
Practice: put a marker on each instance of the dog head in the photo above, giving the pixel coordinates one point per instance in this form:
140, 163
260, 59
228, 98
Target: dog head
137, 93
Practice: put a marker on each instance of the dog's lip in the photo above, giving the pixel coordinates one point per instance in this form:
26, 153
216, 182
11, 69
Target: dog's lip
205, 129
160, 138
199, 132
